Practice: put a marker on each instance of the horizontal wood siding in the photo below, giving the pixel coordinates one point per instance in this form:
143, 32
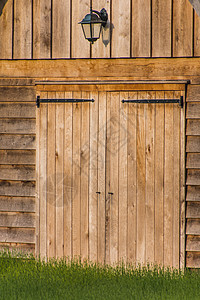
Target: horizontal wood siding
193, 177
17, 167
136, 28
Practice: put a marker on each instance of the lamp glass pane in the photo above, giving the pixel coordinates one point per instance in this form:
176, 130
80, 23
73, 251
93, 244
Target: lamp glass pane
86, 30
96, 30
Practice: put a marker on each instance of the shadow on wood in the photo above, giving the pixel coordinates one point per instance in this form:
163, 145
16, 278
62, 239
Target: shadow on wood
2, 4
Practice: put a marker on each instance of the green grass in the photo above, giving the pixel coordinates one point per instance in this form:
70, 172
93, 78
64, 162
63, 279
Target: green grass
30, 278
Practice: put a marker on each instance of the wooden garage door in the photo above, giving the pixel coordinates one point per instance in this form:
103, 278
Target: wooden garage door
110, 177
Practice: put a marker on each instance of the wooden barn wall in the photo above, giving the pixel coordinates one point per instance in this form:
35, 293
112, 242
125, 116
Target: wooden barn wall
33, 29
193, 178
17, 167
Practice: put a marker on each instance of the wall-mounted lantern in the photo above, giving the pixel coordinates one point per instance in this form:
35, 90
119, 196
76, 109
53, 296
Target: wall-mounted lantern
92, 24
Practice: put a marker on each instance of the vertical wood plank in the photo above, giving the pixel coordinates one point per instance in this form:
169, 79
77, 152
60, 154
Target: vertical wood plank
159, 179
161, 28
182, 28
101, 48
114, 177
51, 179
61, 29
101, 176
108, 188
22, 29
37, 190
42, 29
168, 183
182, 185
132, 175
80, 46
150, 173
6, 31
85, 151
176, 204
68, 178
123, 178
141, 175
76, 214
93, 179
121, 28
141, 24
196, 35
43, 177
59, 175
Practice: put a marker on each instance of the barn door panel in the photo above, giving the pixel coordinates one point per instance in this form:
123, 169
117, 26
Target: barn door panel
109, 177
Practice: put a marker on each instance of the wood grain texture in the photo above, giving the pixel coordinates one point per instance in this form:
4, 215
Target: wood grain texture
141, 179
42, 29
59, 130
122, 69
193, 110
61, 29
84, 165
193, 177
6, 18
150, 178
17, 172
22, 44
17, 142
17, 94
193, 93
68, 178
193, 243
161, 28
193, 193
22, 157
192, 260
193, 144
193, 127
182, 28
121, 23
102, 47
168, 183
196, 35
18, 126
159, 180
101, 176
193, 210
141, 24
17, 110
51, 179
123, 178
17, 188
17, 219
17, 235
17, 204
76, 177
131, 171
80, 47
193, 226
26, 248
93, 179
193, 161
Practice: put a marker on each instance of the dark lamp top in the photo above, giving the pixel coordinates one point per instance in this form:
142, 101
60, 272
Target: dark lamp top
91, 18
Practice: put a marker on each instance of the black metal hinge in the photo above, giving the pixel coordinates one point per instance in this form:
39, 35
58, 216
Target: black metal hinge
38, 101
149, 101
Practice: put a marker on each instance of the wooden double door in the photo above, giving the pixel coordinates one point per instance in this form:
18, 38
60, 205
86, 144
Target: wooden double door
110, 176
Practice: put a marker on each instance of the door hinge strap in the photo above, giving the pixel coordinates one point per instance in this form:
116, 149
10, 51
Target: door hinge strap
150, 101
38, 101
